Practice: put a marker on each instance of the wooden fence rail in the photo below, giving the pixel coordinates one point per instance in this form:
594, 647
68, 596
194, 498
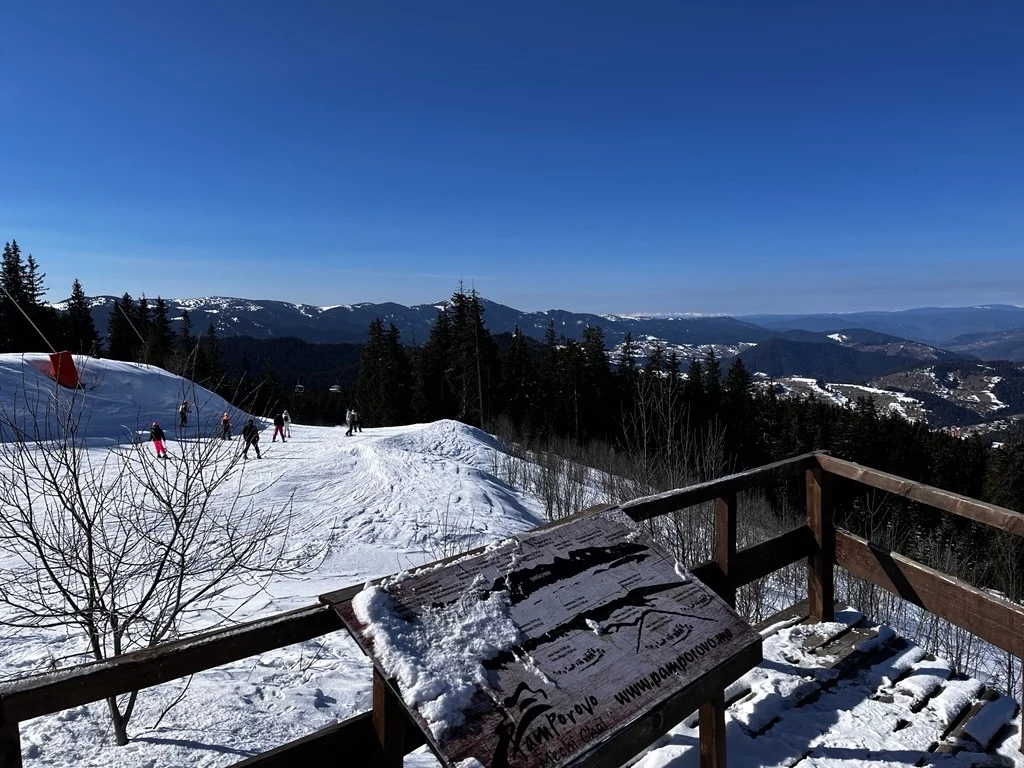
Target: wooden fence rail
818, 542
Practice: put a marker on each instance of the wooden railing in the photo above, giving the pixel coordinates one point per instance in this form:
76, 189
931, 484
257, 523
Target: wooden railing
824, 547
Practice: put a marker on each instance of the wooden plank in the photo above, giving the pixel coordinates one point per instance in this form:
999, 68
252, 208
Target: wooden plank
672, 501
10, 746
45, 694
354, 736
611, 628
768, 556
390, 724
821, 563
725, 542
990, 618
798, 613
955, 740
964, 506
712, 733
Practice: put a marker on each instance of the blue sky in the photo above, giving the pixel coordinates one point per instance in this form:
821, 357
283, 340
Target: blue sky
655, 156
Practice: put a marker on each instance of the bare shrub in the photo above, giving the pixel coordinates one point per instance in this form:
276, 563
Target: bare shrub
124, 548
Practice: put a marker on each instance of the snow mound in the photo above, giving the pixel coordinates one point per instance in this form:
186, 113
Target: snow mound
115, 402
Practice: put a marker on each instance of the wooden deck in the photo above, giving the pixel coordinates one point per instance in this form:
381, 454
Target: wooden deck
850, 693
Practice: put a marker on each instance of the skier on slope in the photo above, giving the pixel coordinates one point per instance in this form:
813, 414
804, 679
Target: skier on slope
157, 436
251, 437
278, 428
287, 424
356, 426
183, 413
350, 421
225, 426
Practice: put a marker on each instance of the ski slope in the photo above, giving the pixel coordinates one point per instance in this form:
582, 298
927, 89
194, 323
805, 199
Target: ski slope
375, 503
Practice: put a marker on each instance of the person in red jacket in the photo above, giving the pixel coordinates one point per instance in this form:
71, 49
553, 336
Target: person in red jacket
278, 428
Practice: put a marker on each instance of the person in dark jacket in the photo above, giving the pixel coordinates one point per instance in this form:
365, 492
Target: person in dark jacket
225, 426
278, 428
157, 436
251, 436
183, 413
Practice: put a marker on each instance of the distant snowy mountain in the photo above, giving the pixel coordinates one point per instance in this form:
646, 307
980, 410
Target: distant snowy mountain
930, 325
686, 333
348, 322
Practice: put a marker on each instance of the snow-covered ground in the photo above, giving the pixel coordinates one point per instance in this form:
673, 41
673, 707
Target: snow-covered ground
380, 501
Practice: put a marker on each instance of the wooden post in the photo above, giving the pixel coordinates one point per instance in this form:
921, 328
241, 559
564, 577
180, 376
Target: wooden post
821, 565
725, 543
712, 732
10, 746
389, 721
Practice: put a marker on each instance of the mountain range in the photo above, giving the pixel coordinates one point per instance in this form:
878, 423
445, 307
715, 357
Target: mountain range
921, 334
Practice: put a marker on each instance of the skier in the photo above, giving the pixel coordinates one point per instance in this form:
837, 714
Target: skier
350, 421
156, 434
251, 436
278, 428
183, 413
225, 426
355, 420
287, 424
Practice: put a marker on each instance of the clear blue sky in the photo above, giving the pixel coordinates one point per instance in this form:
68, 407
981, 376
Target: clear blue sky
630, 156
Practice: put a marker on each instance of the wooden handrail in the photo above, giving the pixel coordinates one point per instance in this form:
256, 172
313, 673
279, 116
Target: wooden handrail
672, 501
963, 506
991, 618
46, 694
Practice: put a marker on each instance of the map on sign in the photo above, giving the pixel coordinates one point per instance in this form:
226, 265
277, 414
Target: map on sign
608, 627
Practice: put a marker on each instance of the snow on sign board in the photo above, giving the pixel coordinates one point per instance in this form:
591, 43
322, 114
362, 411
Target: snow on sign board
548, 645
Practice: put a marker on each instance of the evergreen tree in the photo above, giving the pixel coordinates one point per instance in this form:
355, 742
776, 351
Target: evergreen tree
742, 425
160, 337
140, 317
186, 352
519, 385
122, 340
693, 394
383, 390
599, 385
712, 382
209, 370
548, 414
473, 358
79, 328
14, 328
434, 398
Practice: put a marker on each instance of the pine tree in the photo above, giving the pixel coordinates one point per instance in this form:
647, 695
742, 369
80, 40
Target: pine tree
712, 382
693, 394
383, 390
79, 328
519, 387
184, 359
599, 385
160, 337
433, 397
14, 328
209, 371
473, 358
743, 425
122, 340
